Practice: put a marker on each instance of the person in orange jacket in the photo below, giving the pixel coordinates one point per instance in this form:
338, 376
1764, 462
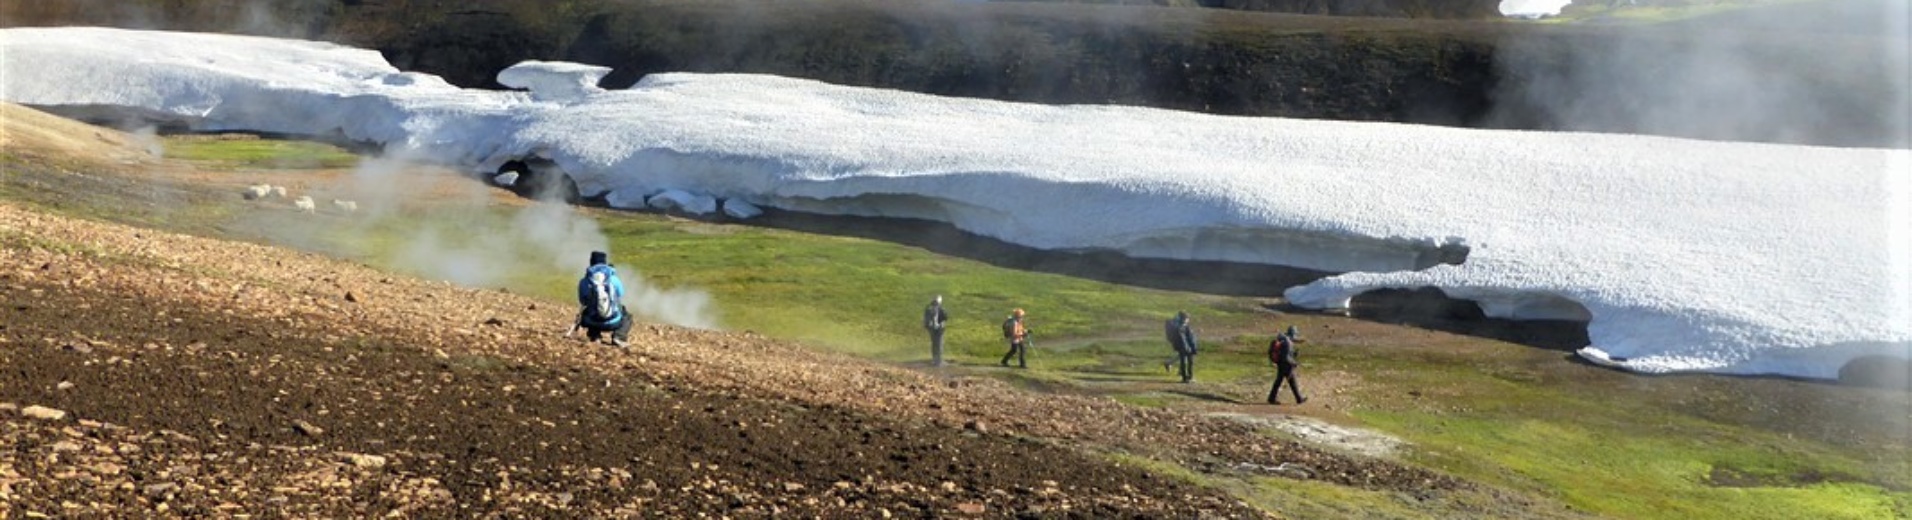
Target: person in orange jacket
1018, 336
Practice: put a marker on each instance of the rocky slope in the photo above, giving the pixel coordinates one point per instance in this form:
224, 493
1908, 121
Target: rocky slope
154, 374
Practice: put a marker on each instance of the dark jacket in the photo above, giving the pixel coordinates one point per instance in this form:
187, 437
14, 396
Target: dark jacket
1282, 351
934, 318
1180, 336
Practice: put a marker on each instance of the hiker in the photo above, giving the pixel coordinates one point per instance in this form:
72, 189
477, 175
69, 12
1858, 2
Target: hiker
1018, 336
601, 302
1181, 337
1281, 352
934, 319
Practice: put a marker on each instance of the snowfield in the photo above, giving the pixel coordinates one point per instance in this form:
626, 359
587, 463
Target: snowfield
1683, 255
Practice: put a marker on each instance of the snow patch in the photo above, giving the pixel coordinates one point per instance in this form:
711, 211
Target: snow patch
553, 80
1684, 255
680, 200
1532, 8
741, 210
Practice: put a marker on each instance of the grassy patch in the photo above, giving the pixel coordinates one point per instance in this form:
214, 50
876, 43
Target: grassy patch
1614, 451
244, 152
867, 297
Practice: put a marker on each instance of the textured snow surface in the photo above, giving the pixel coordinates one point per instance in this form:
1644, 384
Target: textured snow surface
1532, 8
1685, 255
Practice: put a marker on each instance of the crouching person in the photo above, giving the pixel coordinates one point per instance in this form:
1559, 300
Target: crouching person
601, 302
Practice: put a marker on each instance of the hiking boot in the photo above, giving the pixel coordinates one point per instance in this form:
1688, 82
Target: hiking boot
621, 343
1167, 365
1274, 401
1301, 400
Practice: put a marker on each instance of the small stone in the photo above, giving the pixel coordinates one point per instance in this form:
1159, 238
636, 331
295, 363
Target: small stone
77, 347
792, 487
43, 413
160, 489
308, 429
66, 447
365, 461
495, 322
976, 425
351, 297
64, 385
971, 508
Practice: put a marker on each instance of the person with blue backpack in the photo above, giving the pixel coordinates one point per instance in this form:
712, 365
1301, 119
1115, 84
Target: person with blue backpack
601, 302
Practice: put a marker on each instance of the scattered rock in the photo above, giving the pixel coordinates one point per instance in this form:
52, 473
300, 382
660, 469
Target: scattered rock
971, 508
64, 385
160, 489
77, 347
365, 461
307, 429
43, 413
976, 425
351, 297
495, 322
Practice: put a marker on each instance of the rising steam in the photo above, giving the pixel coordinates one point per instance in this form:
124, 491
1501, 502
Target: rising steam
428, 222
1827, 73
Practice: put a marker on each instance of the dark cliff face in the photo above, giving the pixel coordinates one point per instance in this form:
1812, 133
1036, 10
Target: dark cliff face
1189, 64
1766, 82
1463, 9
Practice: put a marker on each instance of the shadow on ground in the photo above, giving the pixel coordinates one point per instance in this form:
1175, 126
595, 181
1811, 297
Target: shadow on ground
1430, 309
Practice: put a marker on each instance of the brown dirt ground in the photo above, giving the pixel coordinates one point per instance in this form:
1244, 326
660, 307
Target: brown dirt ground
202, 376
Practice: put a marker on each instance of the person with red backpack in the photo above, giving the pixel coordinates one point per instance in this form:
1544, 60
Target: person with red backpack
1281, 352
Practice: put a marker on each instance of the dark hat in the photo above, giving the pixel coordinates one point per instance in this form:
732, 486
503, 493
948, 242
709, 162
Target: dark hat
600, 257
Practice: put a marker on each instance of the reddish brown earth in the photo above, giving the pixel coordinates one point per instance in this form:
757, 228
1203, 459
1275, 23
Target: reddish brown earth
200, 376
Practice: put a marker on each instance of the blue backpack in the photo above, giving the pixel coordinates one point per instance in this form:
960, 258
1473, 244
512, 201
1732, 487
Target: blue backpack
596, 295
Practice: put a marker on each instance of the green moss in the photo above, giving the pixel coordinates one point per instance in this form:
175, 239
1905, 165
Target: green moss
246, 153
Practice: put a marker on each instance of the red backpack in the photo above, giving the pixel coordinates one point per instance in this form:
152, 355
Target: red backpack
1278, 349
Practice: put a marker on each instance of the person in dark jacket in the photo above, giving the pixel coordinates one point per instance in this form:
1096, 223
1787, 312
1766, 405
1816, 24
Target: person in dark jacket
1281, 352
1181, 337
1018, 336
601, 302
934, 320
